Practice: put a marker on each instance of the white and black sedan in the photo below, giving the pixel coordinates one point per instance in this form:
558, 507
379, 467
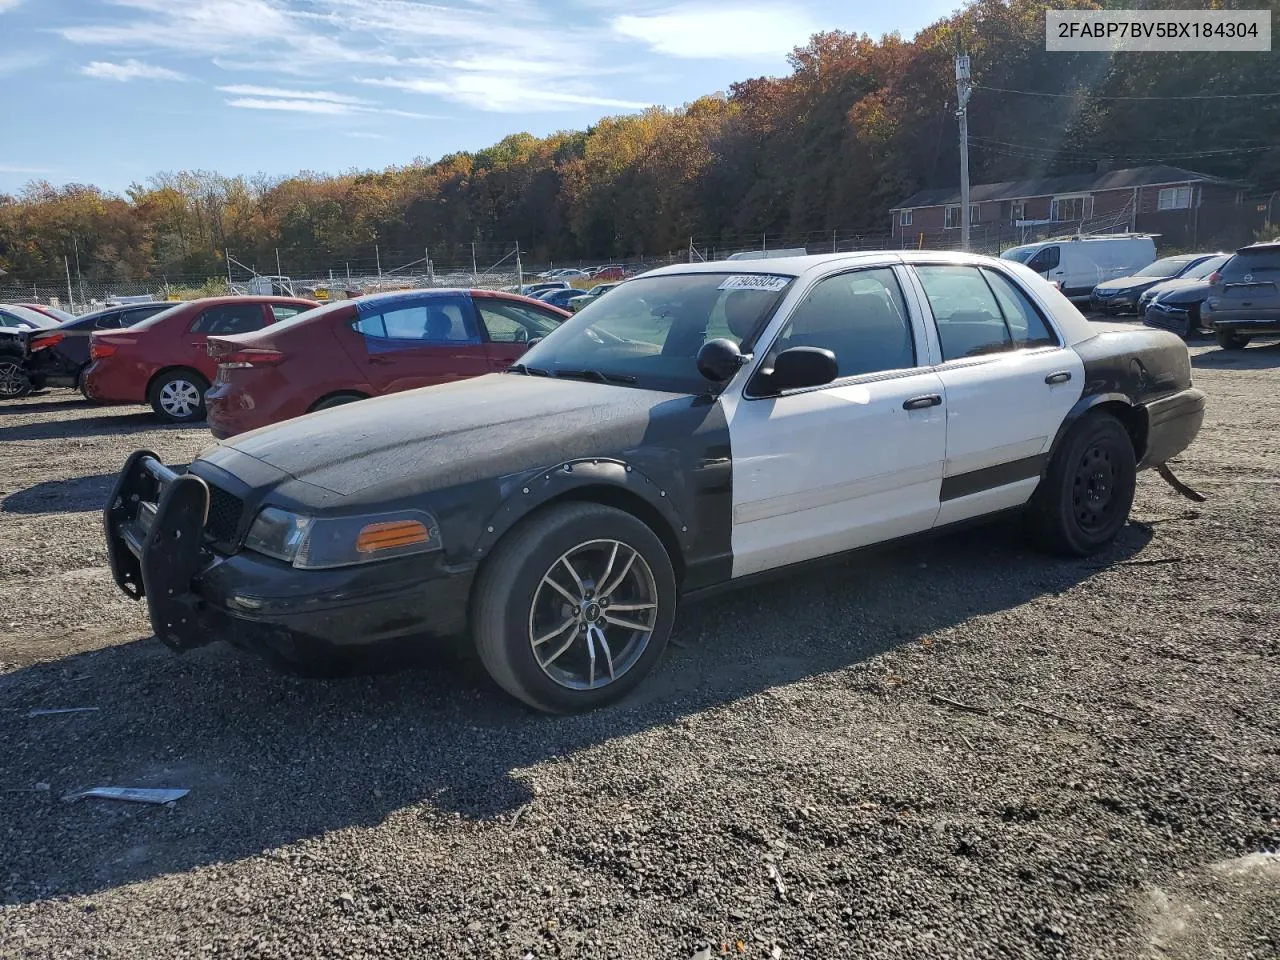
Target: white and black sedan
700, 426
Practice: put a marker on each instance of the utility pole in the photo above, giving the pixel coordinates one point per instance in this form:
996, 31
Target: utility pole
75, 245
71, 301
519, 269
226, 252
279, 272
431, 269
473, 260
377, 255
963, 92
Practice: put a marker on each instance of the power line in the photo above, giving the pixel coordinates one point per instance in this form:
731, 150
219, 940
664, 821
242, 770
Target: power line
1091, 96
1034, 151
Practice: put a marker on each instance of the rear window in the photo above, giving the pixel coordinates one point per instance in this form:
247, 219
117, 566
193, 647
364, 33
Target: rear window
1262, 264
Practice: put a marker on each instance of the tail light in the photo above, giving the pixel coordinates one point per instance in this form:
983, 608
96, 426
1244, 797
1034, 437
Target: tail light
1215, 278
99, 350
45, 341
242, 359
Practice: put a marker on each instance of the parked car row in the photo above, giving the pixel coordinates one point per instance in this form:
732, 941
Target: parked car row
607, 271
1238, 301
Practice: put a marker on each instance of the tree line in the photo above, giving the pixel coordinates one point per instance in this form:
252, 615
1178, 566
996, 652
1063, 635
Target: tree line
857, 125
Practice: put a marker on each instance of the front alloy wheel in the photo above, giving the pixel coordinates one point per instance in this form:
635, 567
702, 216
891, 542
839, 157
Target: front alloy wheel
14, 382
593, 614
574, 607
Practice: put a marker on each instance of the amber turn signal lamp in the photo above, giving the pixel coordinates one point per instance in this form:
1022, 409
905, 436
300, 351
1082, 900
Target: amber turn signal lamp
385, 536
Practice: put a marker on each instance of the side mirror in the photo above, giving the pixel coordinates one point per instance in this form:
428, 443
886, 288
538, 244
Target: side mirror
718, 360
800, 367
533, 343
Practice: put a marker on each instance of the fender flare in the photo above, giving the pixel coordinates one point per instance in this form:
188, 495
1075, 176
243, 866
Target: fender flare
523, 494
1082, 408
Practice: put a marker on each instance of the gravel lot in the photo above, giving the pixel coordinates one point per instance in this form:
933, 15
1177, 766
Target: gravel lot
791, 783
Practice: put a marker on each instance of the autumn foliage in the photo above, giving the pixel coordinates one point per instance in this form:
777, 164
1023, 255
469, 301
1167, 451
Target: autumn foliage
857, 125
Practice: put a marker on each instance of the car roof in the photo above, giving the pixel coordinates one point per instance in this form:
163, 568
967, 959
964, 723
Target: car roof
800, 266
1266, 246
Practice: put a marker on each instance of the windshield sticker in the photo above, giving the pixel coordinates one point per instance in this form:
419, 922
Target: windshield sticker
754, 281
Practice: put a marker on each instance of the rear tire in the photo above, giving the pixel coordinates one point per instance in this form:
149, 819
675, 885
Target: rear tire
177, 396
1083, 502
1230, 340
555, 608
14, 381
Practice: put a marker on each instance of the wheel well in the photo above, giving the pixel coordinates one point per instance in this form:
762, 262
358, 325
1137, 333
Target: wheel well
168, 370
1134, 420
628, 502
338, 393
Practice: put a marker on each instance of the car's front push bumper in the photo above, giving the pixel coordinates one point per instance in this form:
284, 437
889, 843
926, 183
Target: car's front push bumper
1172, 423
159, 551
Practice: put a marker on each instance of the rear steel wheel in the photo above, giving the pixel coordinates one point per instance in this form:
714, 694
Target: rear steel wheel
178, 396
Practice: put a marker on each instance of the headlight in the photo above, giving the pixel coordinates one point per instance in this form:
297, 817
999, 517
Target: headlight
311, 543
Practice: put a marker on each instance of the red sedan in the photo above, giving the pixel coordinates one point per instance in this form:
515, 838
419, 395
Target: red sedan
362, 348
165, 360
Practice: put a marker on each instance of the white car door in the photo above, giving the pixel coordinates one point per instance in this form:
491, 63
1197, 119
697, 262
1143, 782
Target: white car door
1008, 383
825, 469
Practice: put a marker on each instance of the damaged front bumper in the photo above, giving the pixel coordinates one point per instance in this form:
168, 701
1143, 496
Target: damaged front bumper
160, 551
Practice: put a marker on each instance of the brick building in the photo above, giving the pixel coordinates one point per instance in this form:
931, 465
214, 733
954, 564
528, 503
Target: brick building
1182, 206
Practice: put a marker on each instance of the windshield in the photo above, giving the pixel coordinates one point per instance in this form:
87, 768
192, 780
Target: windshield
1202, 271
648, 331
1168, 267
1018, 254
12, 315
61, 316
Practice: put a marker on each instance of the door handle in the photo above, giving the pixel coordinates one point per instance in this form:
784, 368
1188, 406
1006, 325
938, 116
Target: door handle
920, 403
1062, 376
374, 358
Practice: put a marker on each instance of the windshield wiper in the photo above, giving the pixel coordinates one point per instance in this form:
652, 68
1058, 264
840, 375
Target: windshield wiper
599, 376
527, 371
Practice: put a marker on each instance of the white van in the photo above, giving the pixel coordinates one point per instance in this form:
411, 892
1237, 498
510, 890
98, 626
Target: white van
1081, 263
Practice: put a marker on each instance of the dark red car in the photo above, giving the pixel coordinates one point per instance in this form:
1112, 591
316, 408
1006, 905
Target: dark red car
165, 360
378, 344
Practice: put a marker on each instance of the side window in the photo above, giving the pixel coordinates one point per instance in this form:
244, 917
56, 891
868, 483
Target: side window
861, 317
968, 317
111, 321
1046, 259
1026, 325
229, 318
439, 321
279, 312
511, 323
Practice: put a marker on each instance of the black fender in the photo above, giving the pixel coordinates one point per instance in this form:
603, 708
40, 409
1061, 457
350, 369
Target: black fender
523, 494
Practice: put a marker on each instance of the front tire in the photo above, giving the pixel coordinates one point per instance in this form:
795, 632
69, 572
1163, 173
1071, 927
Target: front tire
337, 400
574, 607
1230, 340
1084, 500
177, 396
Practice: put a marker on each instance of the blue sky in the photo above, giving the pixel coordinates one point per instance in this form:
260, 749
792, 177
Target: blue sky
112, 91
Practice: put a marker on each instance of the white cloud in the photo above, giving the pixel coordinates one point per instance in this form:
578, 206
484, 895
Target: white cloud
129, 70
747, 33
287, 105
18, 168
500, 94
494, 55
363, 135
8, 4
247, 90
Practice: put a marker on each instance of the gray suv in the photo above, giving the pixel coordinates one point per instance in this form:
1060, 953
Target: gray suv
1244, 296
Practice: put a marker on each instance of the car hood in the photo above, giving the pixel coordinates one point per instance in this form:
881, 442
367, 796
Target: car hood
435, 437
1167, 286
1185, 291
1125, 284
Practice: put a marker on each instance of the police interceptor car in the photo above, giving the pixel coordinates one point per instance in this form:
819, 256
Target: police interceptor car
702, 425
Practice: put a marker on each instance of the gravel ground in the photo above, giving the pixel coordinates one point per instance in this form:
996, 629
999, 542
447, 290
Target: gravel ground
796, 780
